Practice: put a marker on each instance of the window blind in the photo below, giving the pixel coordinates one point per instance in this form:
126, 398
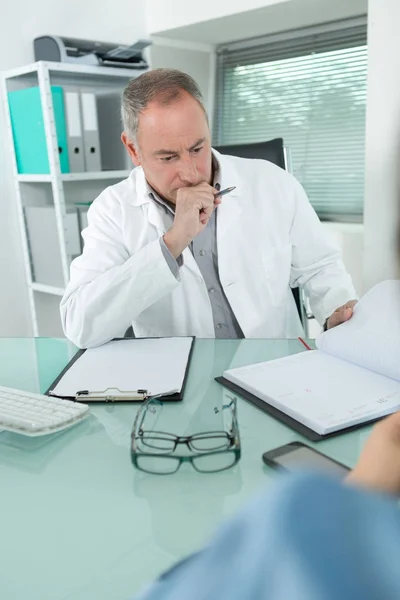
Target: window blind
310, 89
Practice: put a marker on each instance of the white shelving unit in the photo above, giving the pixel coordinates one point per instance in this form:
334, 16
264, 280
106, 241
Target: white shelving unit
97, 176
53, 186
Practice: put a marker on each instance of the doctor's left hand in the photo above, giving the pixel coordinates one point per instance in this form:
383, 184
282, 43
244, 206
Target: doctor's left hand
341, 314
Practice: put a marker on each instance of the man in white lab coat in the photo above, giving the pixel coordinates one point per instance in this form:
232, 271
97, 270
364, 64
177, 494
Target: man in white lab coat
167, 255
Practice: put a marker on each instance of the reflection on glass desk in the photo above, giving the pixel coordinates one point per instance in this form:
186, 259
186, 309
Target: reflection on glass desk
80, 523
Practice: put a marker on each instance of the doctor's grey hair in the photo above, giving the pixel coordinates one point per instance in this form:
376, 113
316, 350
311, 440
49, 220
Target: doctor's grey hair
163, 85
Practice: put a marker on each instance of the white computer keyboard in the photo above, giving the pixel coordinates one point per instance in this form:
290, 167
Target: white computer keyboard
35, 414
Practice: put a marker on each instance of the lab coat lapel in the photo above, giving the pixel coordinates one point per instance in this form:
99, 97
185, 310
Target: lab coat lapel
230, 209
159, 218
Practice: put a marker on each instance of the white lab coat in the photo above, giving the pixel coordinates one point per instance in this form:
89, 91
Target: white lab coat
268, 238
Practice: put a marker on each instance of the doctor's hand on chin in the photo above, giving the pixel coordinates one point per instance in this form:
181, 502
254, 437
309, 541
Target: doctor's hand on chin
341, 314
193, 209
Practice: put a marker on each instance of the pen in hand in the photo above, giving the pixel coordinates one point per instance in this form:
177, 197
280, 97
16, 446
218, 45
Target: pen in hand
225, 191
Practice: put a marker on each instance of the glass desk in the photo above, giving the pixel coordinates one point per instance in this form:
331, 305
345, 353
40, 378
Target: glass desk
79, 523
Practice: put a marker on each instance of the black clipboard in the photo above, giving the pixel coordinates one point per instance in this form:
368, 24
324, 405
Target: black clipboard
169, 398
303, 430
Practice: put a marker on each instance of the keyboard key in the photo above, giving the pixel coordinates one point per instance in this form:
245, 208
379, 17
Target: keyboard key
36, 414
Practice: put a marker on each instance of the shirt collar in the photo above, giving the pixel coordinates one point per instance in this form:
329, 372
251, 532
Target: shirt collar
168, 207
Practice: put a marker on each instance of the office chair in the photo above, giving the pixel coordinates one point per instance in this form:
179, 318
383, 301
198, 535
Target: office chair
275, 152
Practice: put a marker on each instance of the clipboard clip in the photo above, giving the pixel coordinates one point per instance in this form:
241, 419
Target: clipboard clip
112, 395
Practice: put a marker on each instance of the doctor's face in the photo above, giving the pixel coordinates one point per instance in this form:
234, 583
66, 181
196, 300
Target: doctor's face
174, 146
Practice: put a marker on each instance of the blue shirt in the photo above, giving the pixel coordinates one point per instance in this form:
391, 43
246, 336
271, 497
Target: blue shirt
311, 538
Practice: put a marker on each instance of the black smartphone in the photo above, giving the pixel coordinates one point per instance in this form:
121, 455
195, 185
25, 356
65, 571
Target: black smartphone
296, 456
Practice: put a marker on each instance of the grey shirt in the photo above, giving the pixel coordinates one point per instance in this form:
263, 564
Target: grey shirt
205, 252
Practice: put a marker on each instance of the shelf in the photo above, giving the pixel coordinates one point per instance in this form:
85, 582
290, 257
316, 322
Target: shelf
72, 69
60, 191
96, 175
68, 177
47, 289
40, 178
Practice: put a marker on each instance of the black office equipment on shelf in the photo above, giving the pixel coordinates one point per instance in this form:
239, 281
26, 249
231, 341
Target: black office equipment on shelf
87, 52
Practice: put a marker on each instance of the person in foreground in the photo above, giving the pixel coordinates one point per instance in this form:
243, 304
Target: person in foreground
166, 254
311, 538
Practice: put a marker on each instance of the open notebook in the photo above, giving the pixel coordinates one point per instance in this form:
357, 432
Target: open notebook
353, 377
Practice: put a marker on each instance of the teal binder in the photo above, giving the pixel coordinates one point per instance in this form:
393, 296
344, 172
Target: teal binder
28, 130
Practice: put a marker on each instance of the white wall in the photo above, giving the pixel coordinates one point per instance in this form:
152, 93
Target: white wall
119, 21
195, 59
226, 21
382, 189
350, 239
177, 13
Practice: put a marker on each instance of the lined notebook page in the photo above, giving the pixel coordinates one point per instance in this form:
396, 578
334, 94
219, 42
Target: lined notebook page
156, 365
371, 338
323, 392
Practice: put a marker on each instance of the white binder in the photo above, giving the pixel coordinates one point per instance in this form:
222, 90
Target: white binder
114, 157
74, 132
91, 138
